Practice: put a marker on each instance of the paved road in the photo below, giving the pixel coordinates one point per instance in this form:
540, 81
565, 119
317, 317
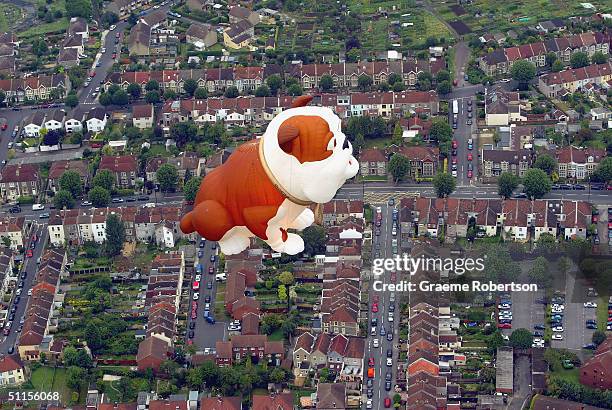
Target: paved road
575, 334
462, 134
525, 311
522, 382
355, 191
382, 244
29, 269
205, 334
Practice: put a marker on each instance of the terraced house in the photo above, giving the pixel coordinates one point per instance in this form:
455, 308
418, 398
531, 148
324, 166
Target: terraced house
499, 61
554, 84
43, 87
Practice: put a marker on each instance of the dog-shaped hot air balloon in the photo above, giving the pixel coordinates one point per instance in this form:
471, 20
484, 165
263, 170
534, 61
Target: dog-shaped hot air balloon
267, 185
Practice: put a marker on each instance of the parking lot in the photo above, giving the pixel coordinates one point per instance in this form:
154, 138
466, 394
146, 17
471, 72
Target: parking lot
526, 311
575, 315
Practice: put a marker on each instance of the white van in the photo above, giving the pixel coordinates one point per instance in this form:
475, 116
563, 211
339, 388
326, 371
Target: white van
38, 207
220, 277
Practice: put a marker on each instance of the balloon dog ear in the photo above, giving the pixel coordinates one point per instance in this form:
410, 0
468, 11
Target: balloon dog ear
301, 101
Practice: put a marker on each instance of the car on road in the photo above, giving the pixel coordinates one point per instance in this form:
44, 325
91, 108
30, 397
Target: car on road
369, 383
388, 385
375, 343
389, 362
557, 336
369, 404
538, 326
92, 74
212, 258
454, 173
538, 333
390, 336
382, 331
117, 200
111, 28
504, 326
86, 203
29, 253
387, 402
590, 304
374, 307
455, 144
371, 361
469, 156
15, 209
196, 296
370, 393
590, 346
470, 174
195, 285
207, 299
591, 326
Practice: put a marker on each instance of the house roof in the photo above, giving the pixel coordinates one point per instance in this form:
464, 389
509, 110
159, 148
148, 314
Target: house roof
152, 347
372, 155
331, 395
19, 173
221, 403
199, 31
142, 111
10, 363
122, 163
282, 401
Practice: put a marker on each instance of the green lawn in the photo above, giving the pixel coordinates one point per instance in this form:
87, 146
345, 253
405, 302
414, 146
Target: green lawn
424, 25
602, 313
375, 34
51, 379
569, 375
9, 15
42, 29
277, 335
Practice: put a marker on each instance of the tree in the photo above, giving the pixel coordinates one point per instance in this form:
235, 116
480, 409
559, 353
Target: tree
231, 92
579, 59
506, 184
99, 197
440, 130
71, 182
51, 137
71, 100
278, 375
190, 86
134, 90
262, 91
398, 133
120, 98
551, 58
104, 178
496, 340
536, 183
364, 82
170, 94
115, 235
523, 71
326, 83
183, 132
167, 177
275, 82
201, 93
353, 55
63, 199
444, 184
521, 339
282, 292
294, 90
539, 272
394, 78
598, 337
546, 163
599, 58
443, 75
314, 239
79, 8
444, 88
39, 47
75, 378
152, 85
191, 187
105, 99
399, 167
152, 97
2, 96
603, 172
557, 66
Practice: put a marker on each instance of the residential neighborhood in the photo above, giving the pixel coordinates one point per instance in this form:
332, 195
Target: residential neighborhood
463, 262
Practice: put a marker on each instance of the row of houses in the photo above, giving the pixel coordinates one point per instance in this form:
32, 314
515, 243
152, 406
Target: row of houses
501, 60
246, 110
573, 163
146, 224
247, 79
42, 311
424, 161
517, 219
161, 304
43, 87
73, 47
57, 120
553, 84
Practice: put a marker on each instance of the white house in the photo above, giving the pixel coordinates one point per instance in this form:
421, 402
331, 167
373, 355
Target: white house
96, 119
73, 125
12, 372
34, 123
55, 121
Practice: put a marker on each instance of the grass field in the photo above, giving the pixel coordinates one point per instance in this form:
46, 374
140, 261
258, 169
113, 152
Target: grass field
57, 26
602, 313
375, 34
9, 15
496, 16
569, 375
51, 379
425, 25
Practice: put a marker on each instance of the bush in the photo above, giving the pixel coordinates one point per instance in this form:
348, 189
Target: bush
25, 200
124, 192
